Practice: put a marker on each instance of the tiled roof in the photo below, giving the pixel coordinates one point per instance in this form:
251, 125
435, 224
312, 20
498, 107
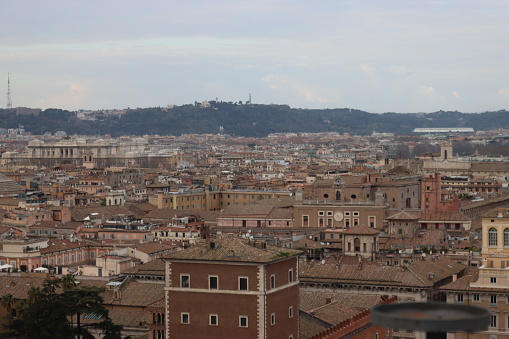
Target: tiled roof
484, 166
405, 215
154, 267
79, 213
313, 299
363, 230
168, 214
306, 243
61, 245
254, 210
134, 293
151, 247
309, 328
463, 283
416, 274
233, 250
282, 202
444, 216
503, 211
8, 186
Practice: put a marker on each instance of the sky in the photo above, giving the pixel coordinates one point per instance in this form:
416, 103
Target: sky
378, 56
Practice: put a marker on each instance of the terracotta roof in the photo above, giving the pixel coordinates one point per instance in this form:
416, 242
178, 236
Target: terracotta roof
310, 300
362, 230
79, 213
444, 216
405, 215
416, 274
8, 186
255, 210
151, 247
232, 250
154, 267
168, 214
61, 245
503, 211
282, 202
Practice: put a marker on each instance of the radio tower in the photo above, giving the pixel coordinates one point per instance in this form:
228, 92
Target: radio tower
9, 99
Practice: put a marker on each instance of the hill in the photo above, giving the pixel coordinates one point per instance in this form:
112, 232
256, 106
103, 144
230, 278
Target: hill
247, 120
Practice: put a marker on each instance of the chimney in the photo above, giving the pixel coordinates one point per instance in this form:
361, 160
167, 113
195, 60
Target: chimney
212, 245
454, 277
328, 300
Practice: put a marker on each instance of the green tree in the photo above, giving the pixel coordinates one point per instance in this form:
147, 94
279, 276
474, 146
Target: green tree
68, 282
48, 313
8, 303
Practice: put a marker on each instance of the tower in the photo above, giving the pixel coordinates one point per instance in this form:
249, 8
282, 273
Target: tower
9, 99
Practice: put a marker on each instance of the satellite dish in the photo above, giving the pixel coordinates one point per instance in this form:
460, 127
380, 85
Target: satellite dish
399, 251
249, 231
323, 261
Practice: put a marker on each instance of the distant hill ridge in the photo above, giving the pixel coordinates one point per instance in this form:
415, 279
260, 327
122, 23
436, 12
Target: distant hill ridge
250, 120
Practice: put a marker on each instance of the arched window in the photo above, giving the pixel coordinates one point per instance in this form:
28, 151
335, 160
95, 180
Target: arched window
492, 237
357, 244
506, 237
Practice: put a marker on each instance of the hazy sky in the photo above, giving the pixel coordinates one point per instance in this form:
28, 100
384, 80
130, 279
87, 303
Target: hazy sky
378, 56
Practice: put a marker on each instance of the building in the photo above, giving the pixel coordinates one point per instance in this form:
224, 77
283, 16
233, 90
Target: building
231, 288
490, 288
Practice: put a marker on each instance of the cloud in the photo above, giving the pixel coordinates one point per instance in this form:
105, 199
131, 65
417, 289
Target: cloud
70, 94
457, 95
504, 92
293, 86
399, 70
427, 90
369, 70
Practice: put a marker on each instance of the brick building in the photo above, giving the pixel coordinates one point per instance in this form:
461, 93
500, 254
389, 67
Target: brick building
230, 288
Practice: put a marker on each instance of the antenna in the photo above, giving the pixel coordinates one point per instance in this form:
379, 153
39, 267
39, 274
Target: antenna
9, 99
249, 98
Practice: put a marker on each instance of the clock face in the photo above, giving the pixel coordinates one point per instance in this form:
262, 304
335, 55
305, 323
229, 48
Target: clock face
338, 216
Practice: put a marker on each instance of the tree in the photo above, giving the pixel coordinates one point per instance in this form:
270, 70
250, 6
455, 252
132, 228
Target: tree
48, 313
68, 282
8, 303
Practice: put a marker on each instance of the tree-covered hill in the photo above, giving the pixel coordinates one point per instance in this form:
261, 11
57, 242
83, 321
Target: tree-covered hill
247, 120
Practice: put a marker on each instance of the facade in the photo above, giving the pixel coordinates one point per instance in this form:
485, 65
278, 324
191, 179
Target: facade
309, 214
490, 289
232, 289
204, 199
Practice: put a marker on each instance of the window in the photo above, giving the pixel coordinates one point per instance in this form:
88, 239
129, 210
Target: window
184, 280
243, 286
273, 319
493, 299
355, 214
321, 213
290, 312
493, 280
493, 321
290, 275
273, 281
242, 321
213, 320
476, 297
213, 282
492, 237
506, 237
184, 318
459, 297
305, 220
